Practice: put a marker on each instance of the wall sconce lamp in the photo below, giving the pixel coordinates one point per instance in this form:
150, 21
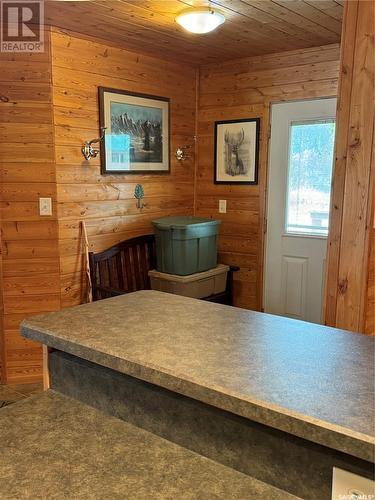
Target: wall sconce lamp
182, 154
88, 150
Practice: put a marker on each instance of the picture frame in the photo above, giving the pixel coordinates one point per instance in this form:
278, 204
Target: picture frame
237, 151
136, 137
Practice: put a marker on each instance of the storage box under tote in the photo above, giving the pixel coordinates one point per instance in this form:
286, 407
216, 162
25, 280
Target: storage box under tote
197, 286
185, 245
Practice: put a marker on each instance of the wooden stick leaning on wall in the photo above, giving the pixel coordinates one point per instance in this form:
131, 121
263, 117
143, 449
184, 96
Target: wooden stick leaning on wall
46, 349
87, 262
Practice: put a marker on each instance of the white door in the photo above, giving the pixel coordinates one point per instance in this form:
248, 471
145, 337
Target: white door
299, 184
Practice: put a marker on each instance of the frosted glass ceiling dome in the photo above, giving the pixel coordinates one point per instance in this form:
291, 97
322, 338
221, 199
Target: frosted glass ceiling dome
200, 19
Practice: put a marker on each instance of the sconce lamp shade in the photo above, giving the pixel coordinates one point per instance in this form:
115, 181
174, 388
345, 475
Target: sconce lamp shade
200, 19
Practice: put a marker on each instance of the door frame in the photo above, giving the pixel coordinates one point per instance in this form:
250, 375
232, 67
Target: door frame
263, 198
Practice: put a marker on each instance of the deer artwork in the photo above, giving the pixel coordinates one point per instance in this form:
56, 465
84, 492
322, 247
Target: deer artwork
234, 164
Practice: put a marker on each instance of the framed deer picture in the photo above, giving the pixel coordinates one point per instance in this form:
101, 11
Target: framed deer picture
237, 151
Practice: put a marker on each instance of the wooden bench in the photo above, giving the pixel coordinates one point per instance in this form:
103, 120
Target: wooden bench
124, 268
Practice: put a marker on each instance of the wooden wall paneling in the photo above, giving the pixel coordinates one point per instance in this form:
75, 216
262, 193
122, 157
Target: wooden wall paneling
18, 171
262, 224
370, 296
338, 177
276, 60
355, 223
49, 107
246, 88
30, 264
370, 292
351, 215
107, 203
23, 358
2, 337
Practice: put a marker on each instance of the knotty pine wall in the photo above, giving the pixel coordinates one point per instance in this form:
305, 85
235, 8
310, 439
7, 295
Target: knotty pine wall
245, 89
370, 293
30, 263
49, 107
351, 219
52, 110
106, 203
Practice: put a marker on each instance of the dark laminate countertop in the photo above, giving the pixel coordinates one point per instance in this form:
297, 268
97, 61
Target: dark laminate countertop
308, 380
55, 447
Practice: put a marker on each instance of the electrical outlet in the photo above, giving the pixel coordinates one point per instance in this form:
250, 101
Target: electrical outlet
45, 206
349, 486
222, 206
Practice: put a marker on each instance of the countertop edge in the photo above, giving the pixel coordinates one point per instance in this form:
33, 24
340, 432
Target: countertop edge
317, 431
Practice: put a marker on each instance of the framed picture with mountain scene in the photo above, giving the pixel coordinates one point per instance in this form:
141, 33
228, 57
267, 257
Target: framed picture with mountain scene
237, 151
136, 135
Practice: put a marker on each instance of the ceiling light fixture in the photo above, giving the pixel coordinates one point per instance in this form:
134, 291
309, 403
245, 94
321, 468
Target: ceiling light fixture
200, 19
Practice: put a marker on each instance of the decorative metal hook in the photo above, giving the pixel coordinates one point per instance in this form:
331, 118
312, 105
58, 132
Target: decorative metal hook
88, 150
139, 194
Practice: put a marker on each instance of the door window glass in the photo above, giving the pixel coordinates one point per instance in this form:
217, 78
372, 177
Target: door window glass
310, 163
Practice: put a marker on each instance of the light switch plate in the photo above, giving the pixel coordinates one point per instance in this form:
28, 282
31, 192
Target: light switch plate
222, 206
349, 486
45, 206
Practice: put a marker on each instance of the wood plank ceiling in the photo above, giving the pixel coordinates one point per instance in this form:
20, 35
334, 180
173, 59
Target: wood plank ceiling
253, 27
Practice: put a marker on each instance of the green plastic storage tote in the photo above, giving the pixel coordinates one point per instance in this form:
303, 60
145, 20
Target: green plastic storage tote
185, 244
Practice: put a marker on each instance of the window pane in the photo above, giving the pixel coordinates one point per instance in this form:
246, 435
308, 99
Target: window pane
309, 177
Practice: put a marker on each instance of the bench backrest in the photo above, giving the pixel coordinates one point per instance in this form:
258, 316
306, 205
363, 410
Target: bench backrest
123, 268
